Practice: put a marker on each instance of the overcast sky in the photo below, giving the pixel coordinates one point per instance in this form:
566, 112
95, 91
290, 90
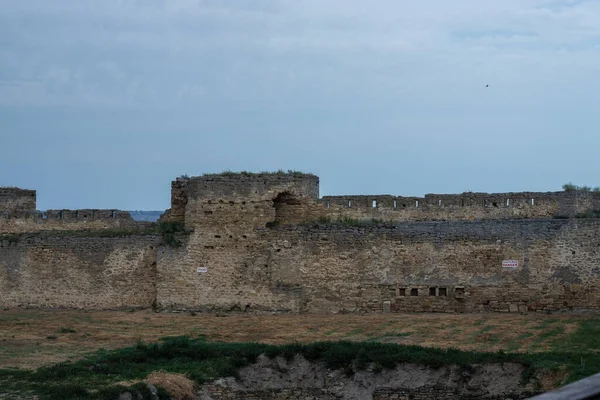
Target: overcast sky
103, 103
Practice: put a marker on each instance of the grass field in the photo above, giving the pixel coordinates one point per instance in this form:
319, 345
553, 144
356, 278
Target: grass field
30, 339
63, 354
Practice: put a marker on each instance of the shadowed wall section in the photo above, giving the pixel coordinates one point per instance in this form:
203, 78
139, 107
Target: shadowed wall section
78, 272
456, 266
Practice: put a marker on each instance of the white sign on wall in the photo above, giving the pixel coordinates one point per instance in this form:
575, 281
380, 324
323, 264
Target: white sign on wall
201, 270
510, 264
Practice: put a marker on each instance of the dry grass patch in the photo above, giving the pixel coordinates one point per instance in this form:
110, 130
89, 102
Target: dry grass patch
24, 343
550, 380
179, 386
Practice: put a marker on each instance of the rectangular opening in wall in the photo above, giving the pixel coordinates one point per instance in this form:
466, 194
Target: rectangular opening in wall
459, 292
533, 202
402, 292
432, 291
486, 203
374, 204
416, 203
414, 292
507, 202
395, 205
439, 203
349, 203
328, 203
443, 291
462, 202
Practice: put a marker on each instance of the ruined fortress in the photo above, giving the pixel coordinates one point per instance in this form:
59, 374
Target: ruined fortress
269, 242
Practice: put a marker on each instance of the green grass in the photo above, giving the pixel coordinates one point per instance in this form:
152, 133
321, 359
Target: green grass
485, 329
584, 339
390, 335
515, 344
559, 330
353, 332
95, 376
545, 324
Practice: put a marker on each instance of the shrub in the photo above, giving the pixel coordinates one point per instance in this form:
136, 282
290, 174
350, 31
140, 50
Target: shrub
11, 238
570, 187
171, 232
589, 214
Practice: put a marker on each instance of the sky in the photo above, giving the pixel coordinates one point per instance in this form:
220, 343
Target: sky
104, 103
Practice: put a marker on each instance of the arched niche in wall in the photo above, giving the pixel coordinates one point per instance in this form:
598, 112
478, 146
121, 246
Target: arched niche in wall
289, 208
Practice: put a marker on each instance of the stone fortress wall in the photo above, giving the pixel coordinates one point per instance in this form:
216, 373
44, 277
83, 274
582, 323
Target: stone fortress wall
268, 242
78, 272
18, 214
466, 206
70, 258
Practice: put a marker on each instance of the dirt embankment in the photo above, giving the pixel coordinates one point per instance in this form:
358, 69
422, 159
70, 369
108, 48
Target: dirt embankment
299, 379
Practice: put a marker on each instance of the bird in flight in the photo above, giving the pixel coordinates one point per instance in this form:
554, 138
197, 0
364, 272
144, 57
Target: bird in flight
487, 85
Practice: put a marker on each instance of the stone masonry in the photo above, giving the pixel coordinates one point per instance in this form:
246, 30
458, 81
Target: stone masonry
268, 242
15, 199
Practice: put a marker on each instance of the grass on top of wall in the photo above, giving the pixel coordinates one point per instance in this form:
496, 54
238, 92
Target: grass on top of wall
95, 377
570, 187
280, 172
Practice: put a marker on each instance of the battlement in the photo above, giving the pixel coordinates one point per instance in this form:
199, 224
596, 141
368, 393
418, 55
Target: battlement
263, 199
464, 206
188, 194
85, 215
16, 199
34, 221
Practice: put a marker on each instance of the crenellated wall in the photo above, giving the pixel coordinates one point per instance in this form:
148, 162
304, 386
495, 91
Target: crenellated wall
18, 214
465, 206
35, 221
257, 246
267, 242
264, 199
